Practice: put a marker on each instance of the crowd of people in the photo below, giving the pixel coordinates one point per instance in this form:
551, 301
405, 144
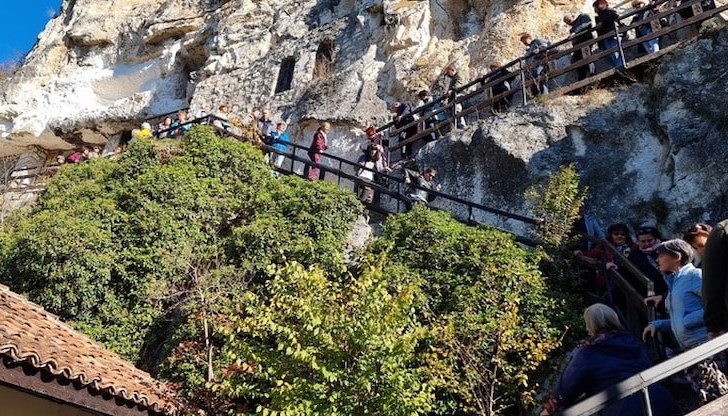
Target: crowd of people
583, 30
690, 276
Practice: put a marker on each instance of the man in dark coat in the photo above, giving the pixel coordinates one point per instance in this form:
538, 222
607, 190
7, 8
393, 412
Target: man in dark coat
579, 33
403, 117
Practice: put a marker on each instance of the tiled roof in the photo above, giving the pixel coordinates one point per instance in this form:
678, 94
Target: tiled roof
31, 336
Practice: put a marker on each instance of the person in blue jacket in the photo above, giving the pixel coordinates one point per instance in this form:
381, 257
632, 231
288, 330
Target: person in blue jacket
684, 300
278, 139
609, 356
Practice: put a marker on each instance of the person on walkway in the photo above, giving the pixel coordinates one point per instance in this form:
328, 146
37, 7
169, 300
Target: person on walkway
645, 257
652, 45
403, 116
715, 280
453, 92
619, 236
683, 301
222, 116
697, 237
265, 124
536, 60
279, 141
606, 18
504, 78
608, 356
685, 306
318, 146
367, 171
585, 225
80, 156
580, 32
377, 140
420, 184
428, 123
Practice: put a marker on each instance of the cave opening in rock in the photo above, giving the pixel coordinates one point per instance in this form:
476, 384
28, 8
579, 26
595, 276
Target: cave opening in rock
285, 75
325, 58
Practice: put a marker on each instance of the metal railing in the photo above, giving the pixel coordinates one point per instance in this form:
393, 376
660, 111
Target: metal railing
639, 383
391, 198
629, 300
548, 58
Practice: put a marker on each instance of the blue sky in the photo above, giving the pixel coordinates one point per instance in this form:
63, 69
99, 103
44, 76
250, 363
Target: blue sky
23, 20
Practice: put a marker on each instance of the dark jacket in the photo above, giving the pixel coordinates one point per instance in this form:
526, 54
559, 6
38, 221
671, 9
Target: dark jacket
581, 26
715, 279
420, 187
502, 86
603, 361
536, 51
647, 264
403, 117
606, 18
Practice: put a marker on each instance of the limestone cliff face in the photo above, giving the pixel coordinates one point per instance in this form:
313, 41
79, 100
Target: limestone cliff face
103, 66
650, 154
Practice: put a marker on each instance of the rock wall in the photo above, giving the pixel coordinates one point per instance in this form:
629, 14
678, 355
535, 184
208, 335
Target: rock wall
650, 153
94, 73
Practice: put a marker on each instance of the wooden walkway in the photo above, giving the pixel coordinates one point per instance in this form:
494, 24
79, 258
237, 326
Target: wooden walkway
521, 69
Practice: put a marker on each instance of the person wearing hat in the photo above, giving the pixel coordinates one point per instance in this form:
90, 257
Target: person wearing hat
652, 45
684, 300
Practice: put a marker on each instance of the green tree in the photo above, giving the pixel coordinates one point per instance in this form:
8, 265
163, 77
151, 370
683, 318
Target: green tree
558, 202
308, 344
114, 246
486, 305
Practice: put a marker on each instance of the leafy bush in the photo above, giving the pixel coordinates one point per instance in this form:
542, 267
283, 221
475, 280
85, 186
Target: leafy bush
486, 306
113, 246
193, 254
305, 344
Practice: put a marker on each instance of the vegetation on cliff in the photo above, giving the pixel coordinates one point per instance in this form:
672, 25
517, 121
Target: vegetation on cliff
192, 260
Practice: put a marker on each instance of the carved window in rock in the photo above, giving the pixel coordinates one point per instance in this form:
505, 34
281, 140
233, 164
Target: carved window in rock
325, 58
285, 75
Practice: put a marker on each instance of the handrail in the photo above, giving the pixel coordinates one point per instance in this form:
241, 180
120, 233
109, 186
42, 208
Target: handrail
518, 217
648, 284
162, 116
640, 382
199, 120
551, 56
396, 195
636, 299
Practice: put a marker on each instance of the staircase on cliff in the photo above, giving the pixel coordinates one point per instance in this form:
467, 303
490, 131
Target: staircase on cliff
674, 25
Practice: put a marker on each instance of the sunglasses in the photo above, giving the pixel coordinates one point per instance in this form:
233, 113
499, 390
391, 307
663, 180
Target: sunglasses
618, 233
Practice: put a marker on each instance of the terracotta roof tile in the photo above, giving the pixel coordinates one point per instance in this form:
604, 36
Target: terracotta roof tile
30, 335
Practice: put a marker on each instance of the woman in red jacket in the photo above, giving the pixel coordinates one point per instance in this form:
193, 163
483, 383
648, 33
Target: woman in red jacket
318, 146
621, 239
